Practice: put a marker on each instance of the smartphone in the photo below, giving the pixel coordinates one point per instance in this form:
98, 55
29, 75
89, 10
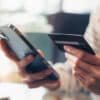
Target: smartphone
75, 40
20, 45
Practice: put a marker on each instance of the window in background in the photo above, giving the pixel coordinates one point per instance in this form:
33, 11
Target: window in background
11, 5
79, 6
34, 6
53, 6
28, 14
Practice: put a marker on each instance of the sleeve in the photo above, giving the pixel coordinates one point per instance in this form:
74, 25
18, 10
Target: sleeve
92, 34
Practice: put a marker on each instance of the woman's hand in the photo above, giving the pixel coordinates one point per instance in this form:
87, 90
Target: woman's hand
86, 68
32, 80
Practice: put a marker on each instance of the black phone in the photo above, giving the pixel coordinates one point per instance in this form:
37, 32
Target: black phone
75, 40
20, 45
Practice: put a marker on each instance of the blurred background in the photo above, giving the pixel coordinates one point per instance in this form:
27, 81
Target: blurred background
40, 16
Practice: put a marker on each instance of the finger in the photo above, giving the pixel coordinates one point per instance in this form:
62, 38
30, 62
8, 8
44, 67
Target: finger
32, 85
54, 85
71, 57
77, 63
84, 78
81, 80
39, 83
93, 71
83, 55
38, 76
84, 66
80, 73
25, 61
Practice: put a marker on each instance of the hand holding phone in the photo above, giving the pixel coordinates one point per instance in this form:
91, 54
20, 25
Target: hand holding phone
23, 48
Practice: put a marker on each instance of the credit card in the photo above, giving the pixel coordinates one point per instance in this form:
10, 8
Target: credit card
75, 40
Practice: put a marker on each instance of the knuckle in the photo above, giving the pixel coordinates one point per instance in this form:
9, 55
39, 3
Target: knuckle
76, 70
93, 81
90, 82
75, 73
77, 62
82, 55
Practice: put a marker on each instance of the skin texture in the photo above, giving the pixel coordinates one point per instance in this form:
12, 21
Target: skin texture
85, 67
29, 77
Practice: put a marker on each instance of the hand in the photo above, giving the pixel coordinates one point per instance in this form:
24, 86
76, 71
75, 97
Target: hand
29, 77
86, 68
